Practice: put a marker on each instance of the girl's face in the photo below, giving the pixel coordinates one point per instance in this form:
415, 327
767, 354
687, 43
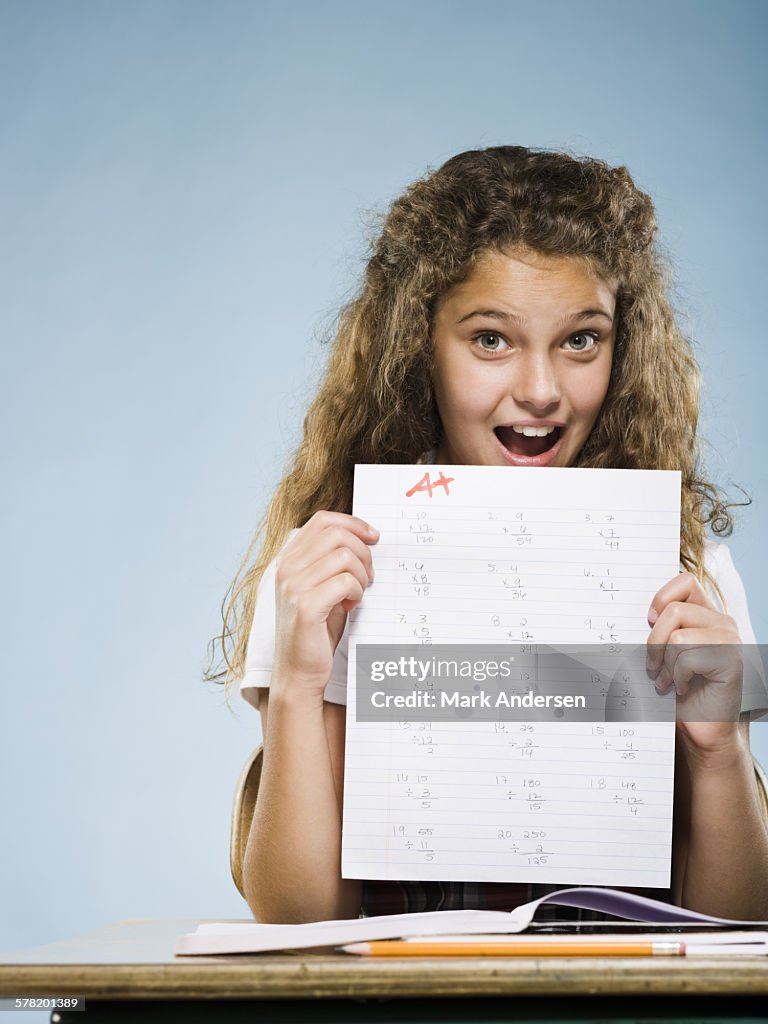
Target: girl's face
525, 341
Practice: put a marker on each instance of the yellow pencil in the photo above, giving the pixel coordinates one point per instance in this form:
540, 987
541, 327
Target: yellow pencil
542, 947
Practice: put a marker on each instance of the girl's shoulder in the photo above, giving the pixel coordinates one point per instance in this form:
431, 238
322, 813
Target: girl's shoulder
260, 649
716, 556
718, 562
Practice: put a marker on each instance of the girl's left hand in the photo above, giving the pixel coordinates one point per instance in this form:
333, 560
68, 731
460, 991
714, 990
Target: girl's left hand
685, 651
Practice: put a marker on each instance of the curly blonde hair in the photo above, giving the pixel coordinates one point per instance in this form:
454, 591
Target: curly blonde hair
376, 403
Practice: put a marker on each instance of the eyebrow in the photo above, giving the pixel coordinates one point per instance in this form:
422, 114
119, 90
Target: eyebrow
497, 314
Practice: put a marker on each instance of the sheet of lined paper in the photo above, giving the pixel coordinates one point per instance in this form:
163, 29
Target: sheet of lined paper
472, 554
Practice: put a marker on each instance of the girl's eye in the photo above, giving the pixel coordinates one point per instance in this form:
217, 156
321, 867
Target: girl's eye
582, 340
495, 341
488, 341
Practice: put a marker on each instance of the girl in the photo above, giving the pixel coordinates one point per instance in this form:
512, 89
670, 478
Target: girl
510, 289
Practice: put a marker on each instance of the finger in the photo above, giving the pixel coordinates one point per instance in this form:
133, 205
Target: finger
344, 589
664, 681
313, 606
710, 649
323, 519
712, 653
321, 522
314, 546
715, 663
715, 639
337, 561
679, 615
684, 587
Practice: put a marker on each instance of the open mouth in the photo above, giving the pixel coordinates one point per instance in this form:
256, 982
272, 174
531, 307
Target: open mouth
527, 447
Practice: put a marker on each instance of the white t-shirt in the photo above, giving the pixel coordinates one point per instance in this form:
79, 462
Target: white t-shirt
717, 559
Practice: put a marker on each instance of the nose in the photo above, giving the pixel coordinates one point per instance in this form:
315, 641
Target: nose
534, 382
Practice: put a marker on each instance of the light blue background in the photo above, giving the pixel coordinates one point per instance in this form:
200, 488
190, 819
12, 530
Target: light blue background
183, 199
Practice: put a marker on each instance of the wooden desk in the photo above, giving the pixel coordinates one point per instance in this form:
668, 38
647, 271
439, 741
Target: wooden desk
127, 971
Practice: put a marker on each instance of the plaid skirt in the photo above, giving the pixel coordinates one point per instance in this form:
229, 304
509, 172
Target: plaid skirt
384, 897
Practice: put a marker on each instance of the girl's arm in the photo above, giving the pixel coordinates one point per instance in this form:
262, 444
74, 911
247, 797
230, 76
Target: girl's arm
720, 862
291, 871
292, 864
722, 839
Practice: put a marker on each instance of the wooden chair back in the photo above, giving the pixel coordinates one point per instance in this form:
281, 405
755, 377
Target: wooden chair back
242, 814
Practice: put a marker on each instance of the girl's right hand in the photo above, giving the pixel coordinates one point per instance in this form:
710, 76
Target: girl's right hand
321, 575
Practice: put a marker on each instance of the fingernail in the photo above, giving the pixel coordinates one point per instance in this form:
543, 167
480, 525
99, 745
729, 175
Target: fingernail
652, 615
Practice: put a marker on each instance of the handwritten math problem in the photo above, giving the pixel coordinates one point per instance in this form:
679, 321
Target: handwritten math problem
490, 555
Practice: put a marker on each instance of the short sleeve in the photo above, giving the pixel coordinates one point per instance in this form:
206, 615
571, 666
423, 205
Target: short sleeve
260, 651
719, 561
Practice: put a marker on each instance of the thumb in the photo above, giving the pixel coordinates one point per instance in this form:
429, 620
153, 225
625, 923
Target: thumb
337, 620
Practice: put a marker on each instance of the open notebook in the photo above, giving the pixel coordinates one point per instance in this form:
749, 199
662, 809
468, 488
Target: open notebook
483, 555
245, 937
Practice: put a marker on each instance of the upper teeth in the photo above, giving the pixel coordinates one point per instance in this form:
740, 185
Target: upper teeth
534, 431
